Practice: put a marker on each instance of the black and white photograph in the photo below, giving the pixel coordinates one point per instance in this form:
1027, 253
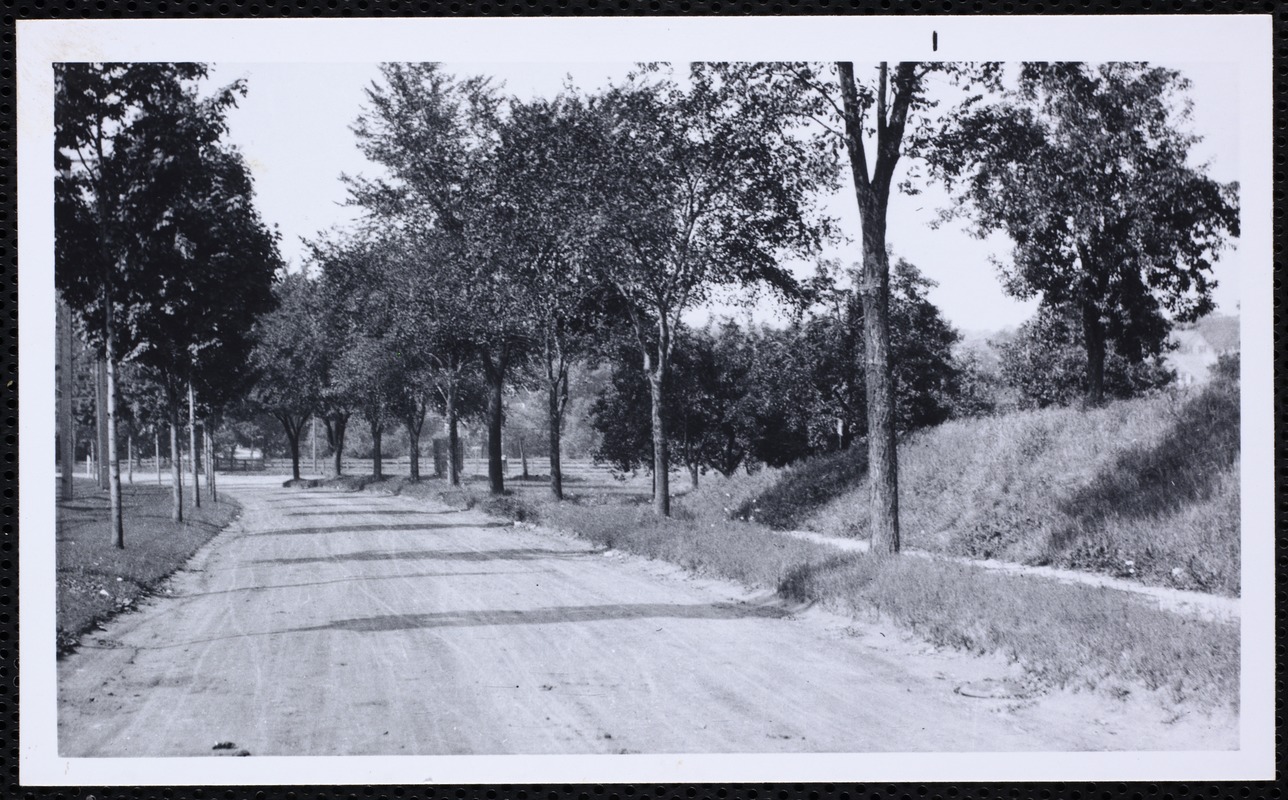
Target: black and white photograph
522, 400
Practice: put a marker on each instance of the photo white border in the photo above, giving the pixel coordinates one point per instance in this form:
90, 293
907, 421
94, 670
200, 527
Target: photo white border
1241, 40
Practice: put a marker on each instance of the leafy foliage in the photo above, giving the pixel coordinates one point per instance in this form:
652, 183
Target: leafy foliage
1086, 167
1046, 363
710, 186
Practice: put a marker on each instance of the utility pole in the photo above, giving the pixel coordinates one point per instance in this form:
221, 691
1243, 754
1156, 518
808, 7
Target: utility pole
314, 420
100, 418
192, 447
157, 434
66, 387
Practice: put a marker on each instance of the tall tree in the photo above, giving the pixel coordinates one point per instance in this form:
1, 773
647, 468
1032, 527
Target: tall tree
220, 260
436, 136
548, 179
432, 325
289, 362
362, 311
893, 99
155, 222
1088, 169
710, 187
877, 121
96, 108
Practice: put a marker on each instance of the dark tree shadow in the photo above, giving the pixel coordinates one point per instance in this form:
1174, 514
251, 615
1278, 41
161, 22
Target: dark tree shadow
529, 554
351, 579
1184, 466
548, 616
360, 512
397, 526
807, 486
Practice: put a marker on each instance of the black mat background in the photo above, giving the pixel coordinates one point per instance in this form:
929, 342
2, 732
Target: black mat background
208, 9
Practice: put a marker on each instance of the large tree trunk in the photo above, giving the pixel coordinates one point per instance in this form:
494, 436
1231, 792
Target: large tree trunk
209, 448
377, 432
1093, 335
113, 458
413, 436
176, 458
293, 441
335, 426
873, 194
192, 447
66, 384
453, 438
494, 372
556, 425
661, 454
883, 467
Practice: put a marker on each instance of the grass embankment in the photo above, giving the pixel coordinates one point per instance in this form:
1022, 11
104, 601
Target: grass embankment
1146, 488
97, 580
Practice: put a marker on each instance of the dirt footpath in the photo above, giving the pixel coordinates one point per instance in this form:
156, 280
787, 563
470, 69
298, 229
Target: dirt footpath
334, 623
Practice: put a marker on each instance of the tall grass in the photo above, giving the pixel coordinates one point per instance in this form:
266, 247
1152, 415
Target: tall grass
1145, 488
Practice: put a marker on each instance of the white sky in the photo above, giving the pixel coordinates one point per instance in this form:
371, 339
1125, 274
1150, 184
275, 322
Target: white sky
294, 128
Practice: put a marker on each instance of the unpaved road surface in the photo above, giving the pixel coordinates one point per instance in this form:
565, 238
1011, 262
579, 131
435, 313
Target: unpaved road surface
331, 623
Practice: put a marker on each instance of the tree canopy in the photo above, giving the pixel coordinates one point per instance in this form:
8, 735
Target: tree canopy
1087, 168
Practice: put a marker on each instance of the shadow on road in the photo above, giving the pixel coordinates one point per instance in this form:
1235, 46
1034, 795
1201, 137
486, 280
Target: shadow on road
360, 512
547, 616
355, 578
399, 526
530, 554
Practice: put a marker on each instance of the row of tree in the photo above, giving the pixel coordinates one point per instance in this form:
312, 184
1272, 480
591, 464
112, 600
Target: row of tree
159, 250
506, 239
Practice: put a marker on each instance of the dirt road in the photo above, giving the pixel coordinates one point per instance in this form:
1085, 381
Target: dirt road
335, 623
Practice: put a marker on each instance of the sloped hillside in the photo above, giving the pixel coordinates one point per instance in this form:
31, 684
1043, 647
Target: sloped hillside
1147, 488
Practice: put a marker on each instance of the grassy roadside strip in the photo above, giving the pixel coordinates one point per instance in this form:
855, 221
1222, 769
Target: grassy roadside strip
1066, 636
96, 581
